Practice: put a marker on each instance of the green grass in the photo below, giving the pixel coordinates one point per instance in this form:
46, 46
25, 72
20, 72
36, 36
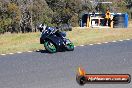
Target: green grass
30, 41
87, 36
19, 42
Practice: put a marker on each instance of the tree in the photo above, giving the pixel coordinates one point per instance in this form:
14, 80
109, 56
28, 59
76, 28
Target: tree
14, 14
41, 12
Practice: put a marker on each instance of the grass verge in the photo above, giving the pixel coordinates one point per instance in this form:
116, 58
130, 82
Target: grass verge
87, 36
30, 41
19, 42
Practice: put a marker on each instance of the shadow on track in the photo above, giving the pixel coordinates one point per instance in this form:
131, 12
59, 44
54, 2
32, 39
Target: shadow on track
43, 51
46, 52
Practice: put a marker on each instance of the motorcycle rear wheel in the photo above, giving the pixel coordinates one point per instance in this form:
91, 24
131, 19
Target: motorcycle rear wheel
50, 47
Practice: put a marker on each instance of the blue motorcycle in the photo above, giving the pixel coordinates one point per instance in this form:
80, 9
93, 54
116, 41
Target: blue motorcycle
55, 40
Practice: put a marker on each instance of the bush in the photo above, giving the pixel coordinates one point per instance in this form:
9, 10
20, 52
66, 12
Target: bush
65, 27
2, 31
74, 21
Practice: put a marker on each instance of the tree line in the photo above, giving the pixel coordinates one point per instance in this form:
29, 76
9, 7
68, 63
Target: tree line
25, 15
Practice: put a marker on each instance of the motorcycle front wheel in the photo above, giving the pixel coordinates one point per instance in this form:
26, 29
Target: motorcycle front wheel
50, 47
70, 46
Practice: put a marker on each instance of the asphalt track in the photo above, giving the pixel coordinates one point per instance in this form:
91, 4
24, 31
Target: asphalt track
43, 70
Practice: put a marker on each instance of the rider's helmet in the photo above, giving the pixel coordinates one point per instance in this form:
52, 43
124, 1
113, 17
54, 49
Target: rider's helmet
42, 27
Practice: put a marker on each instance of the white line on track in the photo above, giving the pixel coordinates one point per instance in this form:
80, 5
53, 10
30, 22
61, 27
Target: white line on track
3, 54
91, 44
128, 39
120, 40
99, 43
74, 46
114, 41
19, 52
81, 45
29, 51
37, 50
11, 53
105, 42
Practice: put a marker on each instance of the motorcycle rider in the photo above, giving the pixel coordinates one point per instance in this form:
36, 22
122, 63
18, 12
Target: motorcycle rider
43, 27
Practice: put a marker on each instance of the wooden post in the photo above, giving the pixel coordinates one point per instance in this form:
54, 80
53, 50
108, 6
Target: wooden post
87, 21
111, 24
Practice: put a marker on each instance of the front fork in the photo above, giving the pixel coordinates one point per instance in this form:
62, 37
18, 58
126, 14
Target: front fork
66, 41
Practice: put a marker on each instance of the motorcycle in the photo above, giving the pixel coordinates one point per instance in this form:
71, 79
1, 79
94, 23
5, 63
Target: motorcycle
55, 40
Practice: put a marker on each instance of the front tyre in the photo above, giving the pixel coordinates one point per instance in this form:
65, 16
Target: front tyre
50, 47
70, 46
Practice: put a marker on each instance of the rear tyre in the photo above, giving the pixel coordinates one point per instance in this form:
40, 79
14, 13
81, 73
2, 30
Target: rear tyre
50, 47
